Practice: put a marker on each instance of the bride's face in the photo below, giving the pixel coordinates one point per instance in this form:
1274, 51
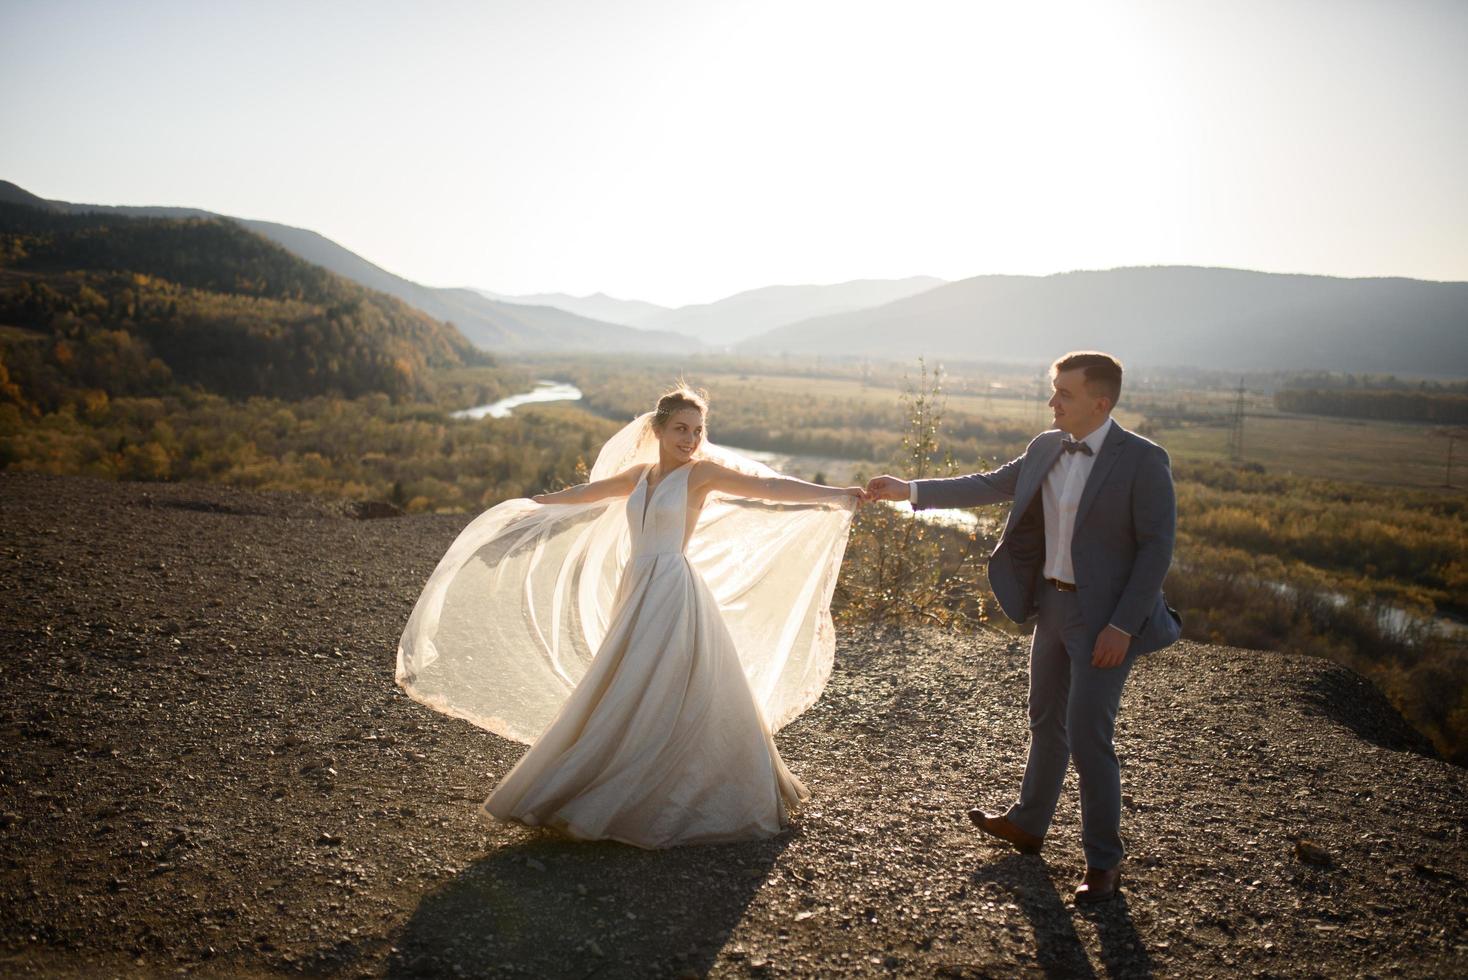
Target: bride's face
681, 435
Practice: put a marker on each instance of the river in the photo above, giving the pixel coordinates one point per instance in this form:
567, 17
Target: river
1396, 621
544, 391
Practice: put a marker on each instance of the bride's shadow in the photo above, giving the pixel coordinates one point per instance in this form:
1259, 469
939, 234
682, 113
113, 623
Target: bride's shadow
549, 907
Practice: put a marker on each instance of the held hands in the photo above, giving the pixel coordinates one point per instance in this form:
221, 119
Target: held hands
1111, 648
885, 488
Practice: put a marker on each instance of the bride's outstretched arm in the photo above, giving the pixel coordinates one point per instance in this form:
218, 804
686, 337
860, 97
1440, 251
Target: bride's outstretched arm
786, 489
584, 493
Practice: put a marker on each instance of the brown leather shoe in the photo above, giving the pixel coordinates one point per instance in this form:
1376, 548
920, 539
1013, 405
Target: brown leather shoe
1098, 885
998, 825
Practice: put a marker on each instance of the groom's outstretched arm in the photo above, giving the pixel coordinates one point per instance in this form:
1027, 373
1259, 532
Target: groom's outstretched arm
973, 490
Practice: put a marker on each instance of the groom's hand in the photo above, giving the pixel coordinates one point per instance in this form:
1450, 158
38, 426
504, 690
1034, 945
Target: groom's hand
1111, 648
886, 488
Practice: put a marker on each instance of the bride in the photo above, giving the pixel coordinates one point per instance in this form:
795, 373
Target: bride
647, 650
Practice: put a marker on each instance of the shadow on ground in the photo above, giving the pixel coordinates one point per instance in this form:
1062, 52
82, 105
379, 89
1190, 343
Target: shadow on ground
1059, 950
1348, 699
548, 907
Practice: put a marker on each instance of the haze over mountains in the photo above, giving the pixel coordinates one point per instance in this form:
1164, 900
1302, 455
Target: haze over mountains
1161, 316
736, 318
597, 306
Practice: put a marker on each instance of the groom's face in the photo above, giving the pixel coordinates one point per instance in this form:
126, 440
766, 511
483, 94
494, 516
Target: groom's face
1077, 410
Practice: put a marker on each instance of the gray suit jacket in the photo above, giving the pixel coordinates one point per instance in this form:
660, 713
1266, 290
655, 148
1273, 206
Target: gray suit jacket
1121, 547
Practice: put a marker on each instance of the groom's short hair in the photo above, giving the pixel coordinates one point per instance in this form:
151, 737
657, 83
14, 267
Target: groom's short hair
1103, 372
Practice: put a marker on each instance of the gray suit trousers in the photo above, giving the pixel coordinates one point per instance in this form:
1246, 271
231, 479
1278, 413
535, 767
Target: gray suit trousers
1072, 710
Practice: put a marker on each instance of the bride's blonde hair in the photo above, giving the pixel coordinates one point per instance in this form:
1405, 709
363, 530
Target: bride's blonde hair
676, 398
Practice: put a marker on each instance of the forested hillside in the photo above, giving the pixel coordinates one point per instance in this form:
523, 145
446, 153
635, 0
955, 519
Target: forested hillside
110, 305
491, 324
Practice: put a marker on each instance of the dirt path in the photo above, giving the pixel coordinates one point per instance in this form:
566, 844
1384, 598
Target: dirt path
208, 768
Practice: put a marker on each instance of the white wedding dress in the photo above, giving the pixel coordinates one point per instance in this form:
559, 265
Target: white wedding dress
649, 704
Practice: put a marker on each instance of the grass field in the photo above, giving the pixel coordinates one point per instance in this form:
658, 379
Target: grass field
1005, 405
1384, 453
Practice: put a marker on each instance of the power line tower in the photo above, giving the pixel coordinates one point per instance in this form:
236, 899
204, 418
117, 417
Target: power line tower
1236, 428
1452, 434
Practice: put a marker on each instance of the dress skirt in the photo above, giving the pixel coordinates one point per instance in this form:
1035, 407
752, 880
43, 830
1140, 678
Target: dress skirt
661, 743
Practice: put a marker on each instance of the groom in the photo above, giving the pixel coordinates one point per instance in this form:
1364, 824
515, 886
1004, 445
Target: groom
1086, 547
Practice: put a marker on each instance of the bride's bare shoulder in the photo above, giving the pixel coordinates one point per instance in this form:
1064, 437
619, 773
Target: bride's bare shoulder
705, 472
721, 478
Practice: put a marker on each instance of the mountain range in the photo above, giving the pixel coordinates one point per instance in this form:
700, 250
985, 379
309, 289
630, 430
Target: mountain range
488, 323
1162, 316
550, 321
597, 306
743, 315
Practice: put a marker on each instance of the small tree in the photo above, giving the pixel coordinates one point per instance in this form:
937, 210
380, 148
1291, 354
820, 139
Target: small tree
901, 569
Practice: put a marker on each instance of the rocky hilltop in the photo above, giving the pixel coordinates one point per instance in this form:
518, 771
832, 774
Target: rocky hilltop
209, 769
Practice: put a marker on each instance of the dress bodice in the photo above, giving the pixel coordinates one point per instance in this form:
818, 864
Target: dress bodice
659, 525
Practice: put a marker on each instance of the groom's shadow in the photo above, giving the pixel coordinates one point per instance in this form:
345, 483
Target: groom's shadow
548, 907
1059, 951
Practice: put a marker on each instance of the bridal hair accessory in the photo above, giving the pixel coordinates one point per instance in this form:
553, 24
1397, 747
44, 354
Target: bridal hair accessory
517, 607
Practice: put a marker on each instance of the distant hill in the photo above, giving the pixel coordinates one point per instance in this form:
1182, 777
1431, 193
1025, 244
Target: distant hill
1228, 319
128, 305
597, 306
735, 318
490, 324
14, 194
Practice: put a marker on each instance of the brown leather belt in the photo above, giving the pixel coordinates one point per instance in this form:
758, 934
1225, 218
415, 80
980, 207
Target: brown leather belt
1062, 586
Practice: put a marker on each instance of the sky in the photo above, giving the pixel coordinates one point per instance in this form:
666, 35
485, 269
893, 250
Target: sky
678, 151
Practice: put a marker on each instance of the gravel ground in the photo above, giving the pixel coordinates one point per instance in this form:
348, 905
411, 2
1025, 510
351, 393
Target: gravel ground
208, 769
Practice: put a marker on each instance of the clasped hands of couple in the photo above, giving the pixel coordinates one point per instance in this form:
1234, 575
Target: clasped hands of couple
1111, 645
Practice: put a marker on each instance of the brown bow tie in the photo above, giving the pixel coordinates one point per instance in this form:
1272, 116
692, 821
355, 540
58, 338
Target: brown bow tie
1071, 446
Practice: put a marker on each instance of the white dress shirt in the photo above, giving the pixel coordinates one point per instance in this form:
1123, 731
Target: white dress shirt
1061, 496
